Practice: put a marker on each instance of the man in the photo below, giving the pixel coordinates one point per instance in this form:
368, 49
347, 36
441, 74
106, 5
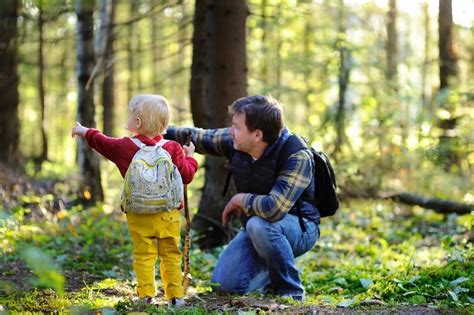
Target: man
274, 199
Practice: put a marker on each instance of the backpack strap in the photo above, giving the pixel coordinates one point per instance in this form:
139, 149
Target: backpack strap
140, 144
137, 142
161, 142
292, 145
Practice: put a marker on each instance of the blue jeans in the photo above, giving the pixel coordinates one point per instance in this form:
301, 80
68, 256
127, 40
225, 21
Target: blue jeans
263, 256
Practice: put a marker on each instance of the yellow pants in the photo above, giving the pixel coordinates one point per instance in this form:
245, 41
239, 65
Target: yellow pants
156, 235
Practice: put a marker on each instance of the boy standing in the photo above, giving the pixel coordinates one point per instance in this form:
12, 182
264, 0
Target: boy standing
158, 234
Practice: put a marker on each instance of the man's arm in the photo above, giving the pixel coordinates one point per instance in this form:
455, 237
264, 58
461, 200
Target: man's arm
207, 141
292, 181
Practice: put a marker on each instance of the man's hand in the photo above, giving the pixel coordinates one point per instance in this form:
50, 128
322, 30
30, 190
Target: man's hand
232, 207
79, 130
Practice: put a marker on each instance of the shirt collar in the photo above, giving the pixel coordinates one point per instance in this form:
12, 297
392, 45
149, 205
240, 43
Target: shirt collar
149, 141
284, 135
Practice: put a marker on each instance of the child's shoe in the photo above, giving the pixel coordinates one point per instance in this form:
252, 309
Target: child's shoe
176, 302
145, 300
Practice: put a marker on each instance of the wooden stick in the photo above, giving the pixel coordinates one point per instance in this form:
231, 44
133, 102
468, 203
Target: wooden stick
187, 239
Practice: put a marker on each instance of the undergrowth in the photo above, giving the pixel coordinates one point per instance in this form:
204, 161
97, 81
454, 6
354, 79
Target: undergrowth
373, 254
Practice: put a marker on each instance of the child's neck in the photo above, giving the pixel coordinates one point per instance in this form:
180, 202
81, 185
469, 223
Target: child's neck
147, 135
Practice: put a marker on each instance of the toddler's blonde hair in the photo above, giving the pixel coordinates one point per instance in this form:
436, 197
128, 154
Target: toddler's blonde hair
154, 112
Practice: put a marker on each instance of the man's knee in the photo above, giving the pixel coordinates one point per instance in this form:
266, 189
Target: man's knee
256, 227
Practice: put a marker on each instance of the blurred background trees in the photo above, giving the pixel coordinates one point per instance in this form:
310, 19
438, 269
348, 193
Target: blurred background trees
385, 87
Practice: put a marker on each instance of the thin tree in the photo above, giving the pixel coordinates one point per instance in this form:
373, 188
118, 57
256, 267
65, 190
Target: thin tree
196, 91
156, 52
264, 42
88, 160
41, 91
448, 73
132, 83
9, 122
345, 66
391, 45
426, 55
105, 51
178, 96
225, 81
448, 70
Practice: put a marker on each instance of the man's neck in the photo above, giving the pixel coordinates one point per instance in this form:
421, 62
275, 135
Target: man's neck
258, 150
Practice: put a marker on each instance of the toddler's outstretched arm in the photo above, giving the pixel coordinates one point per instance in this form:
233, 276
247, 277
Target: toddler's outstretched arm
79, 130
189, 149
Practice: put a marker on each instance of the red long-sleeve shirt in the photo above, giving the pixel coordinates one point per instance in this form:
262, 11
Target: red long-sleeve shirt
121, 151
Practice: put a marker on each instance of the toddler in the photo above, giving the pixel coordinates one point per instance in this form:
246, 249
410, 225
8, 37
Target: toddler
153, 235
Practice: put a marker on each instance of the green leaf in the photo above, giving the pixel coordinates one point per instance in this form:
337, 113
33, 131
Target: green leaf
414, 279
346, 303
458, 290
418, 299
453, 296
328, 299
366, 283
470, 300
341, 281
47, 273
458, 281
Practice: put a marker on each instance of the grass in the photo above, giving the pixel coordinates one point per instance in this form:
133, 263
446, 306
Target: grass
373, 254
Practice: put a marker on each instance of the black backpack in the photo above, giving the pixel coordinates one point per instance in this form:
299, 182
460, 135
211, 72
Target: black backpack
325, 195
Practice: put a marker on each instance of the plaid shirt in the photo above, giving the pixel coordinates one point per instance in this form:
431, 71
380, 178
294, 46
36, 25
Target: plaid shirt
294, 178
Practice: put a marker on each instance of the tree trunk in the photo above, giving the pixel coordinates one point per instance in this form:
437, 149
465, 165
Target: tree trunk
345, 57
131, 52
439, 205
196, 93
447, 54
307, 56
225, 81
41, 92
447, 74
264, 42
106, 54
157, 53
88, 160
178, 96
425, 82
278, 53
391, 47
9, 122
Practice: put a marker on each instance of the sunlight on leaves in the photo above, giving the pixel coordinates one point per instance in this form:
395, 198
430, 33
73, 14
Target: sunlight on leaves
47, 273
458, 281
346, 303
418, 299
366, 283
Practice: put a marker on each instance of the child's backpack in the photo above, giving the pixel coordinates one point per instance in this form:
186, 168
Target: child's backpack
152, 183
325, 193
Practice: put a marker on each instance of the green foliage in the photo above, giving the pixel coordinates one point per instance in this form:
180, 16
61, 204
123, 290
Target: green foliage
372, 253
377, 252
47, 274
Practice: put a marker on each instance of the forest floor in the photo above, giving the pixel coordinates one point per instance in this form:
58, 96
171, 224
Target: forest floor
41, 300
60, 256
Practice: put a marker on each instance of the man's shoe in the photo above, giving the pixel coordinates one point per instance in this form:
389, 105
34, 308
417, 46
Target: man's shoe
296, 298
176, 302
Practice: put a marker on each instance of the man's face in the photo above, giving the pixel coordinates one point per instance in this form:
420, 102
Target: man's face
243, 138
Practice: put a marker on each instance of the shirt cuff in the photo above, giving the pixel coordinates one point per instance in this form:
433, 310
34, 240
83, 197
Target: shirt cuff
246, 204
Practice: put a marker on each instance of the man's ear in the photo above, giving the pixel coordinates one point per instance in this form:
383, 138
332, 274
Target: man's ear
258, 135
